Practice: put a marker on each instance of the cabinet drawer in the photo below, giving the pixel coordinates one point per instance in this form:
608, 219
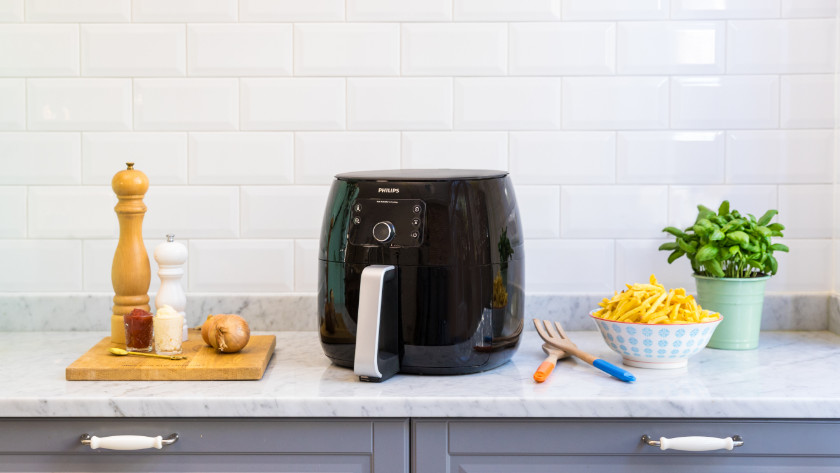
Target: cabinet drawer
624, 436
527, 445
217, 445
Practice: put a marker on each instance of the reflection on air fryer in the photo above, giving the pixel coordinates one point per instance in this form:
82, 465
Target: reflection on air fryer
428, 283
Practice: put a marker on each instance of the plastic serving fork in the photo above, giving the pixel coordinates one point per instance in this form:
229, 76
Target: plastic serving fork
559, 340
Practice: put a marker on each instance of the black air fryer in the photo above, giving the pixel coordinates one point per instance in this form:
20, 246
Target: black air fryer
421, 271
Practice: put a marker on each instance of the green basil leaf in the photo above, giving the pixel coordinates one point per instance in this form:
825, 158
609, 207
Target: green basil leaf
773, 264
673, 256
724, 208
706, 253
765, 219
714, 267
776, 227
764, 231
779, 247
717, 235
739, 237
675, 231
670, 246
687, 247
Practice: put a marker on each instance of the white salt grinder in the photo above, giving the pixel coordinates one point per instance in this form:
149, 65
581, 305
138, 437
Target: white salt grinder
170, 257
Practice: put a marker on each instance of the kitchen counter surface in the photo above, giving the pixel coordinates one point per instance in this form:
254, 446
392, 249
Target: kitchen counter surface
791, 375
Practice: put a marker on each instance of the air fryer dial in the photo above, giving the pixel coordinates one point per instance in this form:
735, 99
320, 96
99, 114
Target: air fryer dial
391, 222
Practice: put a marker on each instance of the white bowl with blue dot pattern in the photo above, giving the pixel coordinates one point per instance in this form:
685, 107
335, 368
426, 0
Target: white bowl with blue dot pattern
655, 346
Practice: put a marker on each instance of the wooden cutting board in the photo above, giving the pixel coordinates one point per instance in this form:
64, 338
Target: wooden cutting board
203, 363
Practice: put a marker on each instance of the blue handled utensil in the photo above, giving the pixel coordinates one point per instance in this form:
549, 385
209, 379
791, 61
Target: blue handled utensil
561, 341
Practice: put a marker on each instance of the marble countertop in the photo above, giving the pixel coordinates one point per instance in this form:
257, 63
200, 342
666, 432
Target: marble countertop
789, 376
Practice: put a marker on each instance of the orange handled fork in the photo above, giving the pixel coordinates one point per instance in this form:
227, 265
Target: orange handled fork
547, 366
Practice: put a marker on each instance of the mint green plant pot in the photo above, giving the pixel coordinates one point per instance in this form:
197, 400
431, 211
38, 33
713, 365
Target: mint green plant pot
739, 301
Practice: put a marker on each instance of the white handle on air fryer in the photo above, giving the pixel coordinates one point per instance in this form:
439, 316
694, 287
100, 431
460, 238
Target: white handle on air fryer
695, 444
127, 442
367, 324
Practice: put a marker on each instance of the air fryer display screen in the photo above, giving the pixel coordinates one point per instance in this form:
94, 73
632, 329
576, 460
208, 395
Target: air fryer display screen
387, 222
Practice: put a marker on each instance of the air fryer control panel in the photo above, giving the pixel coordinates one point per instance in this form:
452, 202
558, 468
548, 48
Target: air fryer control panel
387, 222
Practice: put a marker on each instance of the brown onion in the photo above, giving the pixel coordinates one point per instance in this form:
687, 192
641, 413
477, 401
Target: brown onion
205, 330
229, 333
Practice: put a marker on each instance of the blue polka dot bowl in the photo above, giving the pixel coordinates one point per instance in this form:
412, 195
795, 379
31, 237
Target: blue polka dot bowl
655, 346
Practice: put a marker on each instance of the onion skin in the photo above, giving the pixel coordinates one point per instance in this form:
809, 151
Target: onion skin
206, 327
229, 333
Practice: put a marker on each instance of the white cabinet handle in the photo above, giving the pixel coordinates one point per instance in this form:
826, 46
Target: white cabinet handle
128, 442
695, 444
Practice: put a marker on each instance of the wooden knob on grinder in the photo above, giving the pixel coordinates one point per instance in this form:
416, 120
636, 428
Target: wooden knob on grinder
130, 271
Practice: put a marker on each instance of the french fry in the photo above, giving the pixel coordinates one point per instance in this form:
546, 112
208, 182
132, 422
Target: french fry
652, 304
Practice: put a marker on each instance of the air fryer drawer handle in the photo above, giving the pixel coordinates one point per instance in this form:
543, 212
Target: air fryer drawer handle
695, 444
371, 293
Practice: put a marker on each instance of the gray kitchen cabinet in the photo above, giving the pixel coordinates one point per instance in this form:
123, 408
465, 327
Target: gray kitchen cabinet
209, 445
615, 445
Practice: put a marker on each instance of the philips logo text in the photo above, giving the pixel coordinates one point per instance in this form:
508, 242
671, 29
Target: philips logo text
389, 190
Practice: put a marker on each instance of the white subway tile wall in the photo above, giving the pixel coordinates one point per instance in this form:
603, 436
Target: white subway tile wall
615, 118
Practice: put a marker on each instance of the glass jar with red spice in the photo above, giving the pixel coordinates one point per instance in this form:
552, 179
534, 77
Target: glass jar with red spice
139, 331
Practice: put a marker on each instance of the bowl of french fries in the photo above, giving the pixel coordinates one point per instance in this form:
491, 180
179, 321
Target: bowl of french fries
654, 327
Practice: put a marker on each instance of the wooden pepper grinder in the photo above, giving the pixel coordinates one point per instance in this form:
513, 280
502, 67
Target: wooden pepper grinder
130, 272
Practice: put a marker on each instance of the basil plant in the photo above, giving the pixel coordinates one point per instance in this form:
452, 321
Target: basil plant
726, 244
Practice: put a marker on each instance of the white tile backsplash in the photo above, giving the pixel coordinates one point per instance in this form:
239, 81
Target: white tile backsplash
180, 11
809, 8
473, 49
615, 118
71, 212
319, 156
615, 9
293, 104
283, 211
789, 157
133, 50
584, 48
728, 9
455, 149
725, 102
39, 50
78, 104
613, 211
347, 49
11, 11
13, 98
241, 266
599, 103
570, 266
161, 156
678, 47
239, 49
399, 10
562, 157
507, 103
192, 212
186, 104
539, 209
40, 158
807, 101
241, 158
806, 210
290, 10
780, 46
41, 265
673, 157
506, 10
13, 212
306, 265
395, 104
72, 11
